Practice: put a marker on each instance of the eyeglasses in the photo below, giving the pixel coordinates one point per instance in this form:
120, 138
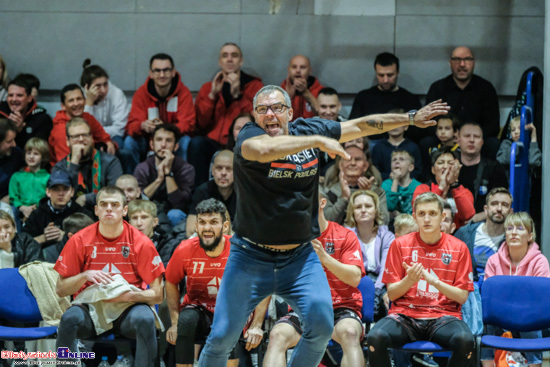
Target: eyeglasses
517, 228
160, 71
80, 136
276, 108
458, 60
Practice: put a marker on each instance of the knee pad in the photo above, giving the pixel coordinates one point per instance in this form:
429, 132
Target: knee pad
188, 321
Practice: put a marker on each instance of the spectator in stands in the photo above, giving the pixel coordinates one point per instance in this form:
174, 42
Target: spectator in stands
45, 223
386, 95
236, 126
20, 107
71, 225
72, 106
90, 169
363, 217
479, 174
192, 318
166, 179
382, 151
347, 177
33, 81
162, 99
302, 87
16, 249
519, 255
399, 187
339, 252
404, 224
11, 157
142, 214
3, 80
138, 273
130, 186
446, 133
28, 186
471, 97
105, 101
447, 224
329, 107
535, 155
220, 188
218, 103
439, 284
485, 238
446, 169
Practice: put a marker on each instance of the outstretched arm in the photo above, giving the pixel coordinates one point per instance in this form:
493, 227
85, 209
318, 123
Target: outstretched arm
264, 148
380, 123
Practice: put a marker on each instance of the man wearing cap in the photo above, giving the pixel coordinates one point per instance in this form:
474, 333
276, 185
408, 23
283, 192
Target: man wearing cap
45, 223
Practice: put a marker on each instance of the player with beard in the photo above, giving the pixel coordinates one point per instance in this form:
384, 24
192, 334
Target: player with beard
90, 169
202, 260
165, 178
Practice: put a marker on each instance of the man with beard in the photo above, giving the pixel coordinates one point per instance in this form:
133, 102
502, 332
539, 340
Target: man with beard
164, 178
11, 157
302, 87
90, 169
485, 238
20, 107
72, 105
220, 188
201, 261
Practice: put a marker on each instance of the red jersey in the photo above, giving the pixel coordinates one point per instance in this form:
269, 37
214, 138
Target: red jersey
343, 245
132, 255
448, 260
204, 273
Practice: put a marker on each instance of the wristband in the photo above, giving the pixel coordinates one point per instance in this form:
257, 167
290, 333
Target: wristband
454, 185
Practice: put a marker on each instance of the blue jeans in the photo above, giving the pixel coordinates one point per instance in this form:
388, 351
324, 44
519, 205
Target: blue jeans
134, 151
252, 274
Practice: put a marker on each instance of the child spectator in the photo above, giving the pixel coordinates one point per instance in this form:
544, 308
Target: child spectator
400, 186
16, 249
72, 224
28, 186
535, 156
381, 152
404, 224
446, 132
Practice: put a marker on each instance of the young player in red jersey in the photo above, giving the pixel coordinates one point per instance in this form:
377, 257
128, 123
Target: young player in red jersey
429, 276
340, 253
201, 262
92, 257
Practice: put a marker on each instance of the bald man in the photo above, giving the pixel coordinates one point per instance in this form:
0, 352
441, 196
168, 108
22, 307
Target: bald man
302, 87
471, 97
219, 188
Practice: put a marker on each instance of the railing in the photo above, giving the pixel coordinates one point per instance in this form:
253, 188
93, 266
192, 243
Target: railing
520, 185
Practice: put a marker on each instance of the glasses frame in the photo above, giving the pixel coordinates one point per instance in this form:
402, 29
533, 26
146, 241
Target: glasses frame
458, 60
269, 107
162, 71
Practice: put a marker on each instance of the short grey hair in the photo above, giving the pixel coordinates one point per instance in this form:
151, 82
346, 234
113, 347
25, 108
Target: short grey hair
268, 89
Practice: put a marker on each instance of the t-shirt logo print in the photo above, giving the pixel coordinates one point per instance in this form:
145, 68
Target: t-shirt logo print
329, 248
125, 251
446, 258
213, 286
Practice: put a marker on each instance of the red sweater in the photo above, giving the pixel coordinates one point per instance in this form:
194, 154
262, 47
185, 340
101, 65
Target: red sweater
300, 105
214, 117
58, 136
176, 109
463, 197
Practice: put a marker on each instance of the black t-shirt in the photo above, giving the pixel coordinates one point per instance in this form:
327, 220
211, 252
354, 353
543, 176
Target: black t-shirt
278, 201
492, 175
209, 190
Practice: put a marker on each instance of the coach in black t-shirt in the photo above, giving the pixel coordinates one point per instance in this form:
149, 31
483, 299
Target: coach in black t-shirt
276, 171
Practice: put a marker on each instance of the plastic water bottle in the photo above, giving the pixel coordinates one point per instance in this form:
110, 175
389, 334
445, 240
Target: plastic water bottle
122, 361
118, 362
104, 362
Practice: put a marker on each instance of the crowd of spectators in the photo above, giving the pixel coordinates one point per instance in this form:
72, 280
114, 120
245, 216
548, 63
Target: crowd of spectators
168, 153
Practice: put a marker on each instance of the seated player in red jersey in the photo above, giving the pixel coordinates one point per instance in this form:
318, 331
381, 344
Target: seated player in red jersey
94, 260
201, 262
429, 276
340, 254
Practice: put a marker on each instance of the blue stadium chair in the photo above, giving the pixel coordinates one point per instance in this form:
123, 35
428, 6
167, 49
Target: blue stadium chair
516, 303
19, 305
